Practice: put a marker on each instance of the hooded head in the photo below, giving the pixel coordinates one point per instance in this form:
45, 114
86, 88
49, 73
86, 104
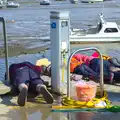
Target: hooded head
44, 63
95, 54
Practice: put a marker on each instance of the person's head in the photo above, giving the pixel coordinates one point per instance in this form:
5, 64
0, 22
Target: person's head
44, 63
46, 70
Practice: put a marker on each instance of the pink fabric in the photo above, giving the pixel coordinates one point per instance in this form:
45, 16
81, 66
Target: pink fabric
39, 68
86, 59
95, 54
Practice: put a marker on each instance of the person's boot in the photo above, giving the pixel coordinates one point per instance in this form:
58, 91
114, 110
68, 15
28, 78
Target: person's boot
22, 98
46, 94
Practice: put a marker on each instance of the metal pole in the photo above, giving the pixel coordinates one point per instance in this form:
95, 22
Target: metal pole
101, 70
6, 49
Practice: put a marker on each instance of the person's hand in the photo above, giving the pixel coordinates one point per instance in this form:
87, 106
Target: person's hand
76, 77
114, 69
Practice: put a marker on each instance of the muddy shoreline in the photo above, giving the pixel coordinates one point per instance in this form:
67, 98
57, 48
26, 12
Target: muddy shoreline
19, 49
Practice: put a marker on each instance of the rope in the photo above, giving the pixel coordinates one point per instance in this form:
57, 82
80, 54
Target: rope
69, 103
90, 104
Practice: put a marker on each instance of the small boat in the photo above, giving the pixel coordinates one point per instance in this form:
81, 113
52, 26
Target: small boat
59, 0
1, 4
103, 32
74, 1
91, 1
107, 0
45, 2
11, 4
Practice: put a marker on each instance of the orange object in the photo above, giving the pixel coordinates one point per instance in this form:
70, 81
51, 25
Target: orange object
86, 92
74, 63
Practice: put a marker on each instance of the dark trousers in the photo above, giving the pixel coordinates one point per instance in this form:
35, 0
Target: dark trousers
27, 75
84, 70
95, 65
115, 61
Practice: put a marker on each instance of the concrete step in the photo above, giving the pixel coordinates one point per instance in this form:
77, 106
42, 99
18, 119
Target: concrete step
3, 88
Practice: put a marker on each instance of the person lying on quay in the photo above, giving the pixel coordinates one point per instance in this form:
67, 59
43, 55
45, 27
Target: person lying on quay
26, 77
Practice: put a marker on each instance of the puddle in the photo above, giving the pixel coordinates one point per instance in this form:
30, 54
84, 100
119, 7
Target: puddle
45, 114
36, 111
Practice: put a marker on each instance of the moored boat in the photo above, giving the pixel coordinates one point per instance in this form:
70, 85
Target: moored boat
11, 4
1, 4
91, 1
74, 1
45, 2
103, 32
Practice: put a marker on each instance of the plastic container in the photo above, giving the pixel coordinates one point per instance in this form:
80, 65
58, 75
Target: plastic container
73, 92
83, 91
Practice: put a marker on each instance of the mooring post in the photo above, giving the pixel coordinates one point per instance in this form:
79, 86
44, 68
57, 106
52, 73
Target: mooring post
60, 48
6, 51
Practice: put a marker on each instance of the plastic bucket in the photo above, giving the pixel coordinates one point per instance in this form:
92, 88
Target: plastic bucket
86, 91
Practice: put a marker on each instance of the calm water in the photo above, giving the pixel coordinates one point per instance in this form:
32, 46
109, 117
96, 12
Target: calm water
32, 20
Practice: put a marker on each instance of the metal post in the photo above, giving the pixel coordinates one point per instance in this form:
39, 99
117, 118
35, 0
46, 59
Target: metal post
6, 50
60, 47
101, 70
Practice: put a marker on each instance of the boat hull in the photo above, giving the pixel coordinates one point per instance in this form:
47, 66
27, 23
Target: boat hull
95, 38
74, 1
9, 6
44, 3
91, 1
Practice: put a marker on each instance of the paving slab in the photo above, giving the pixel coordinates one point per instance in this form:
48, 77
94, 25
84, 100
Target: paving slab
35, 110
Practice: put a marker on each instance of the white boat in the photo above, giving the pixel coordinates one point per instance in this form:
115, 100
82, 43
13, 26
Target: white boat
1, 4
103, 32
91, 1
74, 1
11, 4
45, 2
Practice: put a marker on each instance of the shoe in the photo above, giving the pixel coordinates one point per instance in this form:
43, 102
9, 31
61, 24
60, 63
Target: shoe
22, 98
46, 94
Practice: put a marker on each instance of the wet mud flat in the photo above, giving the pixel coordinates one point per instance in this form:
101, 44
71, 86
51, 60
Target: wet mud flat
36, 46
16, 49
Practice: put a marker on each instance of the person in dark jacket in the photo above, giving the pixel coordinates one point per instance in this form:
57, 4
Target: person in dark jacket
90, 67
26, 77
111, 68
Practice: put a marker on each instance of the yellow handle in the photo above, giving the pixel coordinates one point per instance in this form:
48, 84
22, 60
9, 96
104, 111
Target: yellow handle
63, 67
